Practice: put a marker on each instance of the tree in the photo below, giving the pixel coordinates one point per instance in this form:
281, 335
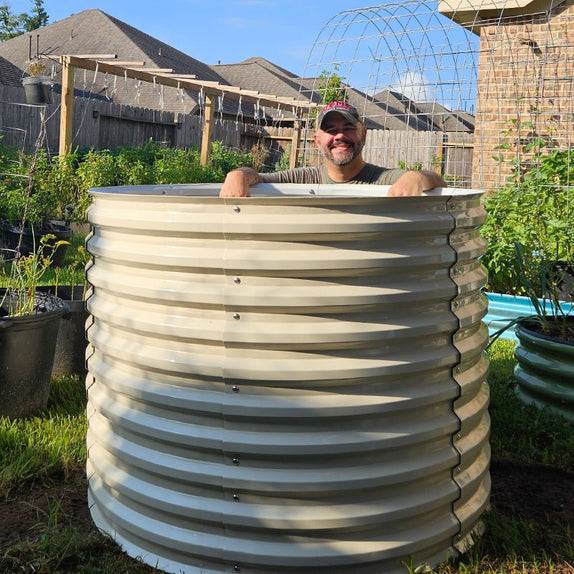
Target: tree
331, 86
12, 25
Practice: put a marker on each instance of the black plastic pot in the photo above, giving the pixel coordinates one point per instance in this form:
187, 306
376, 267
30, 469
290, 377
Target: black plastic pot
70, 355
31, 239
27, 346
37, 89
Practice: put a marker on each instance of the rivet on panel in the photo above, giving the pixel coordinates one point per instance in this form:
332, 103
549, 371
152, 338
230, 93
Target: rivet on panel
236, 497
237, 279
235, 461
236, 316
237, 568
235, 388
311, 192
237, 209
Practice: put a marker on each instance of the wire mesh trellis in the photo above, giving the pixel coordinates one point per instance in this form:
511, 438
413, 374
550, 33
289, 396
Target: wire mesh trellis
440, 84
412, 73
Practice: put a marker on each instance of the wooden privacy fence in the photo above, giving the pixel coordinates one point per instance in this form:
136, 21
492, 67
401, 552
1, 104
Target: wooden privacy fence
449, 153
100, 124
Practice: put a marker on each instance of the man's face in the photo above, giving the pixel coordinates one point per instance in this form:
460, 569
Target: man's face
339, 140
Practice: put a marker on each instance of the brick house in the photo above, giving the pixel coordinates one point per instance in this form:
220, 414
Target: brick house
525, 79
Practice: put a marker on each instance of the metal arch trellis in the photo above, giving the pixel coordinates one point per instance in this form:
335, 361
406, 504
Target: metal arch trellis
405, 66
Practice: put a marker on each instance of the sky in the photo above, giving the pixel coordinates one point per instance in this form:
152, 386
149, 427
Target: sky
219, 31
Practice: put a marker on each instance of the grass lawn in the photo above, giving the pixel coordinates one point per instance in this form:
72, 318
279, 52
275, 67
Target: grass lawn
45, 525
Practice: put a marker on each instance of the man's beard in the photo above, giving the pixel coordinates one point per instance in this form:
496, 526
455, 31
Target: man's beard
343, 158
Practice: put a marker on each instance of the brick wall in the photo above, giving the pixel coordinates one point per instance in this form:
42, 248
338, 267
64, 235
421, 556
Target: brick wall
525, 89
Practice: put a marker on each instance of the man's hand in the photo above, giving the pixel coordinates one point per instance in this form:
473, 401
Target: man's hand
238, 181
413, 183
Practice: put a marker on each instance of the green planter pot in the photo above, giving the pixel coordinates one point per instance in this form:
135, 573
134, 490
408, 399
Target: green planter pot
27, 346
545, 370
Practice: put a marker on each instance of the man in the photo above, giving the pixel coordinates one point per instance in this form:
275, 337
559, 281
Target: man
340, 138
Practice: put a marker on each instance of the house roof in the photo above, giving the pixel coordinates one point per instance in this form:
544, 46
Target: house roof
264, 76
93, 32
260, 75
447, 120
429, 116
10, 75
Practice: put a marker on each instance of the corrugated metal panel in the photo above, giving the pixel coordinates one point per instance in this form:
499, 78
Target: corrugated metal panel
545, 370
289, 382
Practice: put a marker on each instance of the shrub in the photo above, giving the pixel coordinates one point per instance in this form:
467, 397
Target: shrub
533, 210
225, 158
62, 184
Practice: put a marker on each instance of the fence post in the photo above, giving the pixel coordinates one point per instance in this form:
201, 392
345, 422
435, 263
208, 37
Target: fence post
67, 108
207, 129
295, 141
441, 160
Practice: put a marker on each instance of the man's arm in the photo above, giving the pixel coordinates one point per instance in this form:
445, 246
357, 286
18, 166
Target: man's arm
238, 181
415, 182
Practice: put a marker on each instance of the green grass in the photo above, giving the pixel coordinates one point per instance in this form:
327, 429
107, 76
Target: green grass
35, 448
520, 432
42, 449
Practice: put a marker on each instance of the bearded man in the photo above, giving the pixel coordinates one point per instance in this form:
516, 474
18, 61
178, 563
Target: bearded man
340, 137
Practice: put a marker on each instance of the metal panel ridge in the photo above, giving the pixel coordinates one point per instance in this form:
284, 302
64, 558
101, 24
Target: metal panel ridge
289, 382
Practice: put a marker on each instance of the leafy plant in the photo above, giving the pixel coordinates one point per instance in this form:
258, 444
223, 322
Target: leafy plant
12, 25
59, 188
24, 275
283, 162
224, 158
332, 87
532, 210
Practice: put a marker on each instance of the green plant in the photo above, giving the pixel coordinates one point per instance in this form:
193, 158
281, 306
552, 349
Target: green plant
533, 210
223, 158
417, 166
552, 315
332, 86
12, 25
38, 188
23, 277
283, 163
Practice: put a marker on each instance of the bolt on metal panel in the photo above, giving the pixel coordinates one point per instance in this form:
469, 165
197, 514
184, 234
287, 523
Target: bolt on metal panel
294, 380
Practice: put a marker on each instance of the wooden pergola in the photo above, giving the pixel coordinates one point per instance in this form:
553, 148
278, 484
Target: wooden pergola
211, 91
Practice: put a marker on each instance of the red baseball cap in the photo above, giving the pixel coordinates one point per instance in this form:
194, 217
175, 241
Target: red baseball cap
346, 110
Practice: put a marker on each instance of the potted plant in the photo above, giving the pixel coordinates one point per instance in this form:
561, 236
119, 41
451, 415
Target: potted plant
71, 344
29, 323
37, 84
33, 204
530, 255
533, 210
545, 352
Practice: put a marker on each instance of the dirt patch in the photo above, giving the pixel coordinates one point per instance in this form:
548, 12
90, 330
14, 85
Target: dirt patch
540, 494
27, 513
